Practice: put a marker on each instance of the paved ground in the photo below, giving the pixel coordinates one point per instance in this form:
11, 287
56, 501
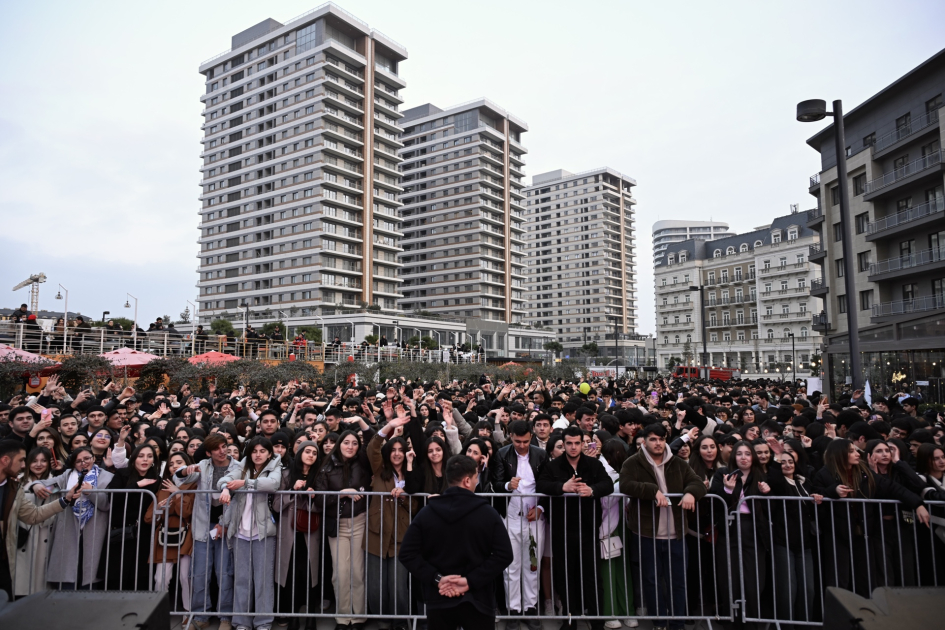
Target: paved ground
329, 624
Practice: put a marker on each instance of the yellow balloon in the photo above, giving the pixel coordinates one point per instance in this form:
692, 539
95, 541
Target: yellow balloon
585, 388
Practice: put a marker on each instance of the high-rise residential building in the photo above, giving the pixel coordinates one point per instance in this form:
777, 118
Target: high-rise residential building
300, 177
897, 210
666, 232
756, 289
463, 212
582, 259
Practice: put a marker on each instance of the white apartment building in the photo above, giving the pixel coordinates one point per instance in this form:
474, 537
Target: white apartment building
755, 288
582, 260
300, 180
463, 212
666, 232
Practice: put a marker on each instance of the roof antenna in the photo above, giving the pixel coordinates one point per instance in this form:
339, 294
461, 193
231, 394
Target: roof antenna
794, 207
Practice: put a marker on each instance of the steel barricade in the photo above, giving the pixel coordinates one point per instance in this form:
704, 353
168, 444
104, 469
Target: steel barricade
354, 579
109, 551
855, 544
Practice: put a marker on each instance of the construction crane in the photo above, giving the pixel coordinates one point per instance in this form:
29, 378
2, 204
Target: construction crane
33, 282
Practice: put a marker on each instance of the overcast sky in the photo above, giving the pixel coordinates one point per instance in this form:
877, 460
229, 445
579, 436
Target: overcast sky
100, 113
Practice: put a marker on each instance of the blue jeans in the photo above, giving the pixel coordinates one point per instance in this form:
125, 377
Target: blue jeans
663, 565
212, 555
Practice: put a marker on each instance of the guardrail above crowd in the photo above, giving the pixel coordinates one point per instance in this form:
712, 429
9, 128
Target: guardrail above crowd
168, 343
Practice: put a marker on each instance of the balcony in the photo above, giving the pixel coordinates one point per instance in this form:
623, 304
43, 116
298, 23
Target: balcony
904, 307
925, 121
925, 164
819, 322
908, 219
815, 216
901, 265
817, 252
818, 287
814, 181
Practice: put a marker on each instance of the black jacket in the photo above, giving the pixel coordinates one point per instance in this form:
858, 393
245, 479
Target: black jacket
567, 513
507, 468
792, 520
758, 509
839, 519
479, 548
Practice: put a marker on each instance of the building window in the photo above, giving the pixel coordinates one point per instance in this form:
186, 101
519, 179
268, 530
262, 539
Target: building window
743, 247
835, 195
863, 261
841, 304
717, 253
859, 184
862, 222
776, 236
770, 333
792, 234
838, 264
866, 300
908, 292
869, 140
933, 103
838, 232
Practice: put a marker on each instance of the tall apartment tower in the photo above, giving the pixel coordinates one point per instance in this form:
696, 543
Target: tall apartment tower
300, 172
896, 226
463, 213
582, 257
666, 232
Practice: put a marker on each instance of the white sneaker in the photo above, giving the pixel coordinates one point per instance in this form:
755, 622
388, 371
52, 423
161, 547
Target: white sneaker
631, 623
549, 608
613, 624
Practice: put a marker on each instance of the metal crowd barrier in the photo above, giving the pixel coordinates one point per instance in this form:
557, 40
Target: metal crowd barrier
855, 544
593, 565
111, 550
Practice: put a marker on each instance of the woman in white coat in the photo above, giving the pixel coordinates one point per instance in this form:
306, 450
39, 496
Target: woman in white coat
79, 532
33, 540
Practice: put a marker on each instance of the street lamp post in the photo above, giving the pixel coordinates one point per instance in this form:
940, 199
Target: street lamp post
134, 331
812, 111
705, 352
193, 329
65, 318
793, 359
616, 349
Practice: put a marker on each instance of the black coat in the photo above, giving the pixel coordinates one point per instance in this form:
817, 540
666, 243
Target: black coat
479, 548
574, 514
792, 521
844, 517
758, 509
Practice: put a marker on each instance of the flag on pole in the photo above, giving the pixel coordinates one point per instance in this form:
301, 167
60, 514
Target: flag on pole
867, 394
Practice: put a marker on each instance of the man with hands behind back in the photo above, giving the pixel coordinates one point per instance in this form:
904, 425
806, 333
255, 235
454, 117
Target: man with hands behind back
458, 578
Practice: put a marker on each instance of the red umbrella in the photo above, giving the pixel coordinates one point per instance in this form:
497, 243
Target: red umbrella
126, 357
213, 358
9, 353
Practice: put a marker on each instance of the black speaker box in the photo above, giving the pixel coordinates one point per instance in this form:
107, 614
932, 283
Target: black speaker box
87, 610
892, 608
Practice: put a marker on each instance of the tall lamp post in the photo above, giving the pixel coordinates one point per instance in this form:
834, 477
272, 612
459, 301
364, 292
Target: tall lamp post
812, 111
193, 329
65, 318
705, 352
134, 331
616, 348
793, 359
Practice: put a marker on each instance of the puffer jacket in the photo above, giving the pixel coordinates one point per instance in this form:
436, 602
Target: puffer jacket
255, 490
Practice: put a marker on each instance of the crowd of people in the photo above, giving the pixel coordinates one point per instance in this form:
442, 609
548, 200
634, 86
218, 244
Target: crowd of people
620, 498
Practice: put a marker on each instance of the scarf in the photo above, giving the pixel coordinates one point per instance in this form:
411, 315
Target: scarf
83, 508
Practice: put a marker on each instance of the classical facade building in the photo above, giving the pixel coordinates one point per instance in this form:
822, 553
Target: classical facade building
672, 231
748, 293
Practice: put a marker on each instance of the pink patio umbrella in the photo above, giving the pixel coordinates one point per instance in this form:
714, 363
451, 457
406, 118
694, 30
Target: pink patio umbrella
9, 353
213, 358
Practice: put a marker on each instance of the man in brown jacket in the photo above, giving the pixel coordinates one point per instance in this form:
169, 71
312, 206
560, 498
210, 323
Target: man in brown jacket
648, 476
15, 508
